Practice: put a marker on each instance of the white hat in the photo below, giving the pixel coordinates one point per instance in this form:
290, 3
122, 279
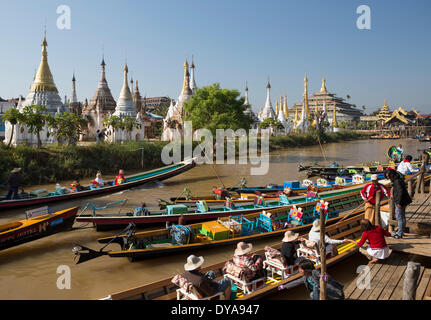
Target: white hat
193, 262
316, 225
290, 236
243, 248
374, 177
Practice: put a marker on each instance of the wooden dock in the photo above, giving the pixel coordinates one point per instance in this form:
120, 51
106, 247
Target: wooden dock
418, 215
387, 280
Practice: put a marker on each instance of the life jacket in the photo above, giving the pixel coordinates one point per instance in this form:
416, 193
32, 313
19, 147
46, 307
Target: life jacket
73, 188
94, 185
119, 179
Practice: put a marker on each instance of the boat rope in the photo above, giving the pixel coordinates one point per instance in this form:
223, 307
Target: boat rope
321, 148
212, 166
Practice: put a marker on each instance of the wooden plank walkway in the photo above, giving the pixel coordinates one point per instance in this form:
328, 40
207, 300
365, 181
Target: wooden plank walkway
386, 280
411, 243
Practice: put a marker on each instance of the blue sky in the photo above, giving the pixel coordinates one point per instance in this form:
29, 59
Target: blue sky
233, 41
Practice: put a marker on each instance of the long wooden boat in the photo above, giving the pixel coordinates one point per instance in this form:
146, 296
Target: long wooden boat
131, 181
223, 231
267, 193
189, 215
165, 290
15, 233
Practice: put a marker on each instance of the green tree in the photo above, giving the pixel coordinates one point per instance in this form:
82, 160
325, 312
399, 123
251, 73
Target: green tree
214, 108
130, 123
35, 119
13, 116
68, 125
275, 124
113, 121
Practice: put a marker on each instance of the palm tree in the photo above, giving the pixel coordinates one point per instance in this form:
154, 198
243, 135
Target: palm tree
13, 116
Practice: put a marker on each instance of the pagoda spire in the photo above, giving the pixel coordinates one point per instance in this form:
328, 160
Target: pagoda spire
246, 102
323, 89
43, 80
334, 118
276, 107
193, 86
307, 110
74, 98
286, 113
125, 105
186, 82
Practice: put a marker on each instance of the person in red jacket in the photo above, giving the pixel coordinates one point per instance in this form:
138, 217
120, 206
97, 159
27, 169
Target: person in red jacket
369, 192
377, 247
120, 178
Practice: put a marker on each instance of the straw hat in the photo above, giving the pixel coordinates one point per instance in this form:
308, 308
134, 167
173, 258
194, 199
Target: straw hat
316, 226
15, 170
193, 263
290, 236
243, 248
374, 177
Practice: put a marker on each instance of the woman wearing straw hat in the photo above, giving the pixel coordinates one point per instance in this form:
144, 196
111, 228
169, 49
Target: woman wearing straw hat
288, 248
14, 181
314, 235
204, 283
252, 264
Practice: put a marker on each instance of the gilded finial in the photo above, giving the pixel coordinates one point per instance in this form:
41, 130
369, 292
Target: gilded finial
323, 89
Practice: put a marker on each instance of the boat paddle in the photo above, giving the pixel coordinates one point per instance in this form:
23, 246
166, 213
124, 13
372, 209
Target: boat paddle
84, 254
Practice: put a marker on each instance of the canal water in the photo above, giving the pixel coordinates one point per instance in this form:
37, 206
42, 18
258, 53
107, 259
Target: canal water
29, 271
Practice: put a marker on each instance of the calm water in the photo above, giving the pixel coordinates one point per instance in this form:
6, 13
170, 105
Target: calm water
29, 271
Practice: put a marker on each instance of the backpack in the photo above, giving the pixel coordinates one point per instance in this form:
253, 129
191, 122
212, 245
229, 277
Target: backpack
334, 289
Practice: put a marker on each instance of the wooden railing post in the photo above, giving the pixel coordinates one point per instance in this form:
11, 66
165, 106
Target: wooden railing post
377, 209
323, 276
410, 188
411, 277
420, 182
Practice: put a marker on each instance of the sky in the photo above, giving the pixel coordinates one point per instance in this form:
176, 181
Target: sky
232, 41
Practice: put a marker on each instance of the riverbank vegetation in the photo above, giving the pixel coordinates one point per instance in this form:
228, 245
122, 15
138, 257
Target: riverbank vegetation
60, 162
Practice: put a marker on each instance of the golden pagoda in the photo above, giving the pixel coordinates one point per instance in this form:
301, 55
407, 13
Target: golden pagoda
286, 114
334, 118
307, 110
384, 113
43, 80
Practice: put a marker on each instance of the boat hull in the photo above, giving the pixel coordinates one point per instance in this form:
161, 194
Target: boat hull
11, 204
38, 227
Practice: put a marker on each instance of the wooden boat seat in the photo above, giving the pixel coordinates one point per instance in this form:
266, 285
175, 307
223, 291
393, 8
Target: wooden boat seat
159, 245
247, 287
10, 226
311, 252
275, 267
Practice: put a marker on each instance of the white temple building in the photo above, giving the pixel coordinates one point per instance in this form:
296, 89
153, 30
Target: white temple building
174, 120
268, 111
44, 92
126, 108
249, 110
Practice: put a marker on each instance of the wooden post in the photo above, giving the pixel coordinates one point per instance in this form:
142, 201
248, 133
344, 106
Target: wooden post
420, 182
391, 211
377, 208
411, 277
410, 188
322, 255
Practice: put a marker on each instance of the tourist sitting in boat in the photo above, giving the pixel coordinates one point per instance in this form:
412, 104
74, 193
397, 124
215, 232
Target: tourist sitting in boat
377, 248
368, 194
405, 167
120, 178
204, 283
288, 248
99, 179
75, 186
141, 210
311, 279
252, 265
14, 181
314, 236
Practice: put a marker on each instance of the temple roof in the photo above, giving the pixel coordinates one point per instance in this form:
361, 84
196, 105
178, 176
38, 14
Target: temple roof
102, 98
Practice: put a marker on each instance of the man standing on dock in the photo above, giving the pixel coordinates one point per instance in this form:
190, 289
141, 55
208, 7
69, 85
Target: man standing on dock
369, 192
